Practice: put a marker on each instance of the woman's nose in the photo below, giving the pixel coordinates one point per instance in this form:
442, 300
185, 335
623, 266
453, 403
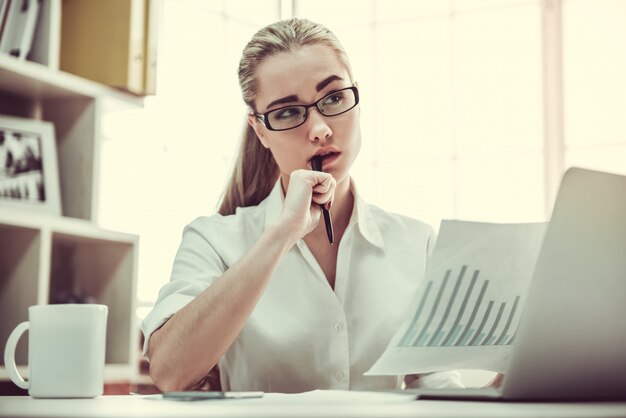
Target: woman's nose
318, 128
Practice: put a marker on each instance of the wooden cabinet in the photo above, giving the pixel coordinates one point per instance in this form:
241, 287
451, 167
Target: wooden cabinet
44, 258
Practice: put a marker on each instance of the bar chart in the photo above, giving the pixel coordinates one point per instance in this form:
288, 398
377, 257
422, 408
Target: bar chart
456, 310
468, 303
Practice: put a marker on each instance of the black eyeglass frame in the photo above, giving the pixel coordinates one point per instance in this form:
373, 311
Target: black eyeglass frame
263, 117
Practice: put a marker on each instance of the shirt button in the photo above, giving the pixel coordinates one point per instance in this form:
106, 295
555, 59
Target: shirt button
339, 375
338, 326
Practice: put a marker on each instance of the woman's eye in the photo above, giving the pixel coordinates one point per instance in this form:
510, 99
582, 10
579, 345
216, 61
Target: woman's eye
334, 98
287, 113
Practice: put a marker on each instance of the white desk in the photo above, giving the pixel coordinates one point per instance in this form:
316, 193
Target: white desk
326, 405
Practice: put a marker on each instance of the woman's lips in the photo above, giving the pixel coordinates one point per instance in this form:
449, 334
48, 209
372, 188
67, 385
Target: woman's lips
329, 159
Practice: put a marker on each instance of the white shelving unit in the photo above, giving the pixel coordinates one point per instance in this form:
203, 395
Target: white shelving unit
41, 254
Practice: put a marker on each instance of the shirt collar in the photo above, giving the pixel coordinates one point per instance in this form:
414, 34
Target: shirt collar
365, 222
361, 213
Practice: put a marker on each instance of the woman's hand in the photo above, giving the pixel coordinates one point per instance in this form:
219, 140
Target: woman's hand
307, 190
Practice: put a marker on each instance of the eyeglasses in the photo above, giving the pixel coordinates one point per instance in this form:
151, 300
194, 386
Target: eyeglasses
290, 117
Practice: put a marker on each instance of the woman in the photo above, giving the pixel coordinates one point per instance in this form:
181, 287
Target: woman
258, 290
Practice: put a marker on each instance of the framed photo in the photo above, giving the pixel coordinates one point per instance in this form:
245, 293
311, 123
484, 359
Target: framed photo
29, 176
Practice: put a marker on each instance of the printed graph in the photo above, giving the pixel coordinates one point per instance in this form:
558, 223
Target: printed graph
455, 311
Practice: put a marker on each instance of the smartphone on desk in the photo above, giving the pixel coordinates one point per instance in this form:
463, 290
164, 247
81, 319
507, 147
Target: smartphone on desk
203, 396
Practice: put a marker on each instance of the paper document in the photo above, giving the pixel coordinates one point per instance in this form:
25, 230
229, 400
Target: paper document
467, 310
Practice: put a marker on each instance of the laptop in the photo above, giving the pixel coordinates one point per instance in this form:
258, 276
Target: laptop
571, 342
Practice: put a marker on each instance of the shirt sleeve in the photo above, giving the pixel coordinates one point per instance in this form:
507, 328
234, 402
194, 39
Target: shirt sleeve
196, 265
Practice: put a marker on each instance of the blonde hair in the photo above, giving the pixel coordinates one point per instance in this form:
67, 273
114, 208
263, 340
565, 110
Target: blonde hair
255, 171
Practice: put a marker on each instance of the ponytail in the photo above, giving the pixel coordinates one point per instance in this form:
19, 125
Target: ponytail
253, 177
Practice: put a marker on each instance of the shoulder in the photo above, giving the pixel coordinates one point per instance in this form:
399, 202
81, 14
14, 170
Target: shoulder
228, 236
244, 219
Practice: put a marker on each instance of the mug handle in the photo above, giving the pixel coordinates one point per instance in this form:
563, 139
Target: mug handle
9, 355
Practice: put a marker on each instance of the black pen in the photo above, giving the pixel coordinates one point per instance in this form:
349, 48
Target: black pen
316, 164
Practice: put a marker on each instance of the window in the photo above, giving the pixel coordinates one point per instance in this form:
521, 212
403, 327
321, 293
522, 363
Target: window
451, 104
594, 84
452, 101
166, 164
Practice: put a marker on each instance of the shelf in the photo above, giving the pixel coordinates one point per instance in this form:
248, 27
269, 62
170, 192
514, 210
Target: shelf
49, 259
66, 259
75, 107
72, 227
31, 80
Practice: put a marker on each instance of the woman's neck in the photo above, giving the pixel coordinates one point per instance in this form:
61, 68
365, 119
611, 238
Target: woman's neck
343, 203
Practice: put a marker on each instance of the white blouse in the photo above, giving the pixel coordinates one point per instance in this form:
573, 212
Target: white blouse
302, 335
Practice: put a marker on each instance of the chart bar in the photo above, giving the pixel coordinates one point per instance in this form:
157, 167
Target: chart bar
466, 331
438, 338
479, 334
435, 306
470, 289
477, 322
490, 336
508, 323
467, 336
449, 307
410, 333
456, 331
422, 339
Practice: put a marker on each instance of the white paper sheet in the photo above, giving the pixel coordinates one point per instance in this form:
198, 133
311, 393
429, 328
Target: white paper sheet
467, 310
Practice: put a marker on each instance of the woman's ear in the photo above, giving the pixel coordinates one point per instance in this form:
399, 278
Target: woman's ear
258, 129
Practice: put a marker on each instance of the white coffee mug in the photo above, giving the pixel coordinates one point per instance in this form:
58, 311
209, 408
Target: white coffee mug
66, 351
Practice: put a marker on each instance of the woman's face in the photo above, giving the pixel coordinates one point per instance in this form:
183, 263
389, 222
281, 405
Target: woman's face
302, 77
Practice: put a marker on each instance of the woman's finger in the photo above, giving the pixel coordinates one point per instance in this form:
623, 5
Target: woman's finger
322, 198
327, 183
